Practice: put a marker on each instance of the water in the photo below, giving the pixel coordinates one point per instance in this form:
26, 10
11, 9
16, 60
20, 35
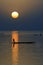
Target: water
21, 54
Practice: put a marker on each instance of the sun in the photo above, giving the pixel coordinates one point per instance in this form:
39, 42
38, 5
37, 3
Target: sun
15, 14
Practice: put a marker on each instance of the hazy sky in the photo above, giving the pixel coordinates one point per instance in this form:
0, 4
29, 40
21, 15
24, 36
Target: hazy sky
31, 14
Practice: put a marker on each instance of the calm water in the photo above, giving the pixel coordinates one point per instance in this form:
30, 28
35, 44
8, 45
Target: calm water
21, 54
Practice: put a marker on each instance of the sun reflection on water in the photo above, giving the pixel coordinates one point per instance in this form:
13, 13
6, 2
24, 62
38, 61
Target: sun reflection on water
15, 48
15, 36
15, 54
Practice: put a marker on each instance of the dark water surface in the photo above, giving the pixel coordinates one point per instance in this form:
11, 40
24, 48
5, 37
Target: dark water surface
21, 54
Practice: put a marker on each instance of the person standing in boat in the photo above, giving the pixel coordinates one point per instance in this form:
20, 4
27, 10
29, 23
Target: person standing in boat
13, 42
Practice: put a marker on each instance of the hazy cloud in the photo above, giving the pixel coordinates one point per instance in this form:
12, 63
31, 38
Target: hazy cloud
22, 6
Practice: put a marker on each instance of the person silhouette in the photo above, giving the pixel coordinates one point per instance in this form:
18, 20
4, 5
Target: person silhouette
13, 42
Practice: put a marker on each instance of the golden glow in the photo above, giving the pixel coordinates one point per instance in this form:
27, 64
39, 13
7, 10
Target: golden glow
15, 14
15, 54
22, 6
15, 36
